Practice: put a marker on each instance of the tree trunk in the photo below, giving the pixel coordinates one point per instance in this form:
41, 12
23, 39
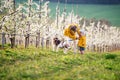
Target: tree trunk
27, 41
42, 42
38, 39
12, 40
3, 39
47, 43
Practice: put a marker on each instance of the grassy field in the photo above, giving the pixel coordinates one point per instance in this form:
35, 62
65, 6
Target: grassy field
38, 64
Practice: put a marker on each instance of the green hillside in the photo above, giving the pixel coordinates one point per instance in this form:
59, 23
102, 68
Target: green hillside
107, 12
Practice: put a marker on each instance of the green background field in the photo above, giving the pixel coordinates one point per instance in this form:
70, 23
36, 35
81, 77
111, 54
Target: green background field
98, 11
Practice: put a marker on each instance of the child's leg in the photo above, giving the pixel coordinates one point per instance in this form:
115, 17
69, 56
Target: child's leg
82, 51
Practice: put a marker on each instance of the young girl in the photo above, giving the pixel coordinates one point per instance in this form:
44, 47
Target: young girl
82, 42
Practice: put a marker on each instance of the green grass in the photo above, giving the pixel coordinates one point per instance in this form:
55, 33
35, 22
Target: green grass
38, 64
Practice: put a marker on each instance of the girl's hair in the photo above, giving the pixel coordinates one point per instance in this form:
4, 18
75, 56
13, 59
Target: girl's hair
83, 32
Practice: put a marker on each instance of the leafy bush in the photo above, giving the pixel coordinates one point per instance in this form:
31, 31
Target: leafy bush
110, 56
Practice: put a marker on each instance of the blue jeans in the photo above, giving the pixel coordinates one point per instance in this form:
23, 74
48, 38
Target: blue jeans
81, 48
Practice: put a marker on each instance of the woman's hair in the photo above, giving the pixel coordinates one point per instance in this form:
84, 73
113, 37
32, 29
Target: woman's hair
73, 28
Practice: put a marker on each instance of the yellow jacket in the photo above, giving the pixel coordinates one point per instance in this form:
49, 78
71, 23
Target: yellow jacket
82, 41
69, 33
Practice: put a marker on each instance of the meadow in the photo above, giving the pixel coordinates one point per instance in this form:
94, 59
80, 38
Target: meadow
44, 64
